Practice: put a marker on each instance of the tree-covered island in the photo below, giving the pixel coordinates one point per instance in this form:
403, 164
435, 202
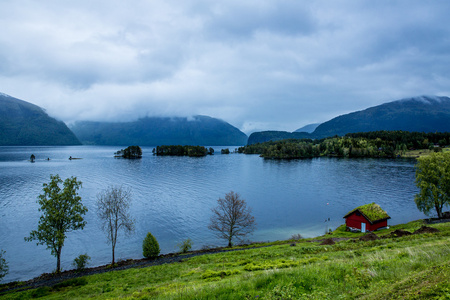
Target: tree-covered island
179, 150
129, 152
380, 144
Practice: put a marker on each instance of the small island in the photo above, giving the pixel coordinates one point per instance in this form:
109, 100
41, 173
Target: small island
131, 152
178, 150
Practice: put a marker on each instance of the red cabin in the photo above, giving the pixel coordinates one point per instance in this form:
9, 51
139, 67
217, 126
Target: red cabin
368, 217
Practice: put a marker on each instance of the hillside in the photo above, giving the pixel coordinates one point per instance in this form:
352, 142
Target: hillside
308, 128
407, 261
200, 130
265, 136
419, 114
25, 124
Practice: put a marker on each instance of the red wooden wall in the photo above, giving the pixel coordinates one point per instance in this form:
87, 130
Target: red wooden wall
355, 221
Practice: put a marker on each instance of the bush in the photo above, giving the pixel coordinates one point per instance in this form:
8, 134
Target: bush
296, 237
185, 246
3, 265
81, 262
150, 246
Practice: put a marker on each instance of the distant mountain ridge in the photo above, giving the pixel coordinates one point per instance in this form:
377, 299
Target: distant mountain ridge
416, 114
308, 128
273, 135
26, 124
420, 114
153, 131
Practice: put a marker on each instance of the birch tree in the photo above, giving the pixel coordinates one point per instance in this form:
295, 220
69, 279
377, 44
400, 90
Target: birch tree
113, 206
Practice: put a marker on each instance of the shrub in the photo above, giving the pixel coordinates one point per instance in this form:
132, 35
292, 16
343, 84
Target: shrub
150, 246
81, 262
185, 246
296, 237
3, 265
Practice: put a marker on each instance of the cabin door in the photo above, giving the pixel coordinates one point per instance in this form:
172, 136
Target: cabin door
363, 227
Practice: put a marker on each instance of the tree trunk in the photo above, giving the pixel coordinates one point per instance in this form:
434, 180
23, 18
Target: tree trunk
113, 257
58, 260
438, 210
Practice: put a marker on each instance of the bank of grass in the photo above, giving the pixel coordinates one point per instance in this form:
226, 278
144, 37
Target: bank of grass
420, 152
409, 267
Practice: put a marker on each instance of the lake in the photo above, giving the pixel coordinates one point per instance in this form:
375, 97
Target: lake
173, 196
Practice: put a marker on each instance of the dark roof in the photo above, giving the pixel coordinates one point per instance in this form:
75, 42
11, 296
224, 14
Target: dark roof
372, 212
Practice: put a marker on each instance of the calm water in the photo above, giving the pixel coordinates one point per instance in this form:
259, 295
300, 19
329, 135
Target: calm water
172, 197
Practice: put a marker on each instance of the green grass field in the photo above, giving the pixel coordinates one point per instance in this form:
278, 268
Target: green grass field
410, 267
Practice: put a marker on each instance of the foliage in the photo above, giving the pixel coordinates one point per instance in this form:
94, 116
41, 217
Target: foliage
372, 211
62, 212
231, 218
433, 180
3, 265
150, 246
387, 144
185, 246
271, 135
81, 262
178, 150
130, 152
113, 205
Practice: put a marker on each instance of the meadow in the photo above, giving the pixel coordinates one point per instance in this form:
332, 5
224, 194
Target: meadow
340, 265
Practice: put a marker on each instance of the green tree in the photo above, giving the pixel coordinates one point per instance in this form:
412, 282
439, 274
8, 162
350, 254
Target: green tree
232, 218
3, 265
113, 205
150, 246
62, 212
433, 180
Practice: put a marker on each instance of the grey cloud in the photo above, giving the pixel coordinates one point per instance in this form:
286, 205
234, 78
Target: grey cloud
243, 19
257, 64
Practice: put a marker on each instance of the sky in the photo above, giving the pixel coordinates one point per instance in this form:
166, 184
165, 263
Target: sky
259, 65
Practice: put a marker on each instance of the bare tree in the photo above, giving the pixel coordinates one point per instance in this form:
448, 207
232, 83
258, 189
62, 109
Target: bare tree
113, 206
231, 218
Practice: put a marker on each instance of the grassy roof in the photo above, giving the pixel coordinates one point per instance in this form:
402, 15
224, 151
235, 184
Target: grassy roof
372, 211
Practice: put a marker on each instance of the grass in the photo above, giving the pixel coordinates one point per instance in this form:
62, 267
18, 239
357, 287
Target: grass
420, 152
410, 267
372, 211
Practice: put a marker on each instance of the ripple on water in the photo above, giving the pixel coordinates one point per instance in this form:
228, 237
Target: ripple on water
173, 197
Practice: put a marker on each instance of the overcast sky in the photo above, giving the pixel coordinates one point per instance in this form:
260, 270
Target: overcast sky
258, 65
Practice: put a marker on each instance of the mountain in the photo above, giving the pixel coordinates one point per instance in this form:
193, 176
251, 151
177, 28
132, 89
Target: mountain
26, 124
265, 136
308, 128
420, 114
153, 131
417, 114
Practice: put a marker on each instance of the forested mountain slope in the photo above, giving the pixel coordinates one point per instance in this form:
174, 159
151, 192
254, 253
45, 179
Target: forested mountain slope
419, 114
26, 124
152, 131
